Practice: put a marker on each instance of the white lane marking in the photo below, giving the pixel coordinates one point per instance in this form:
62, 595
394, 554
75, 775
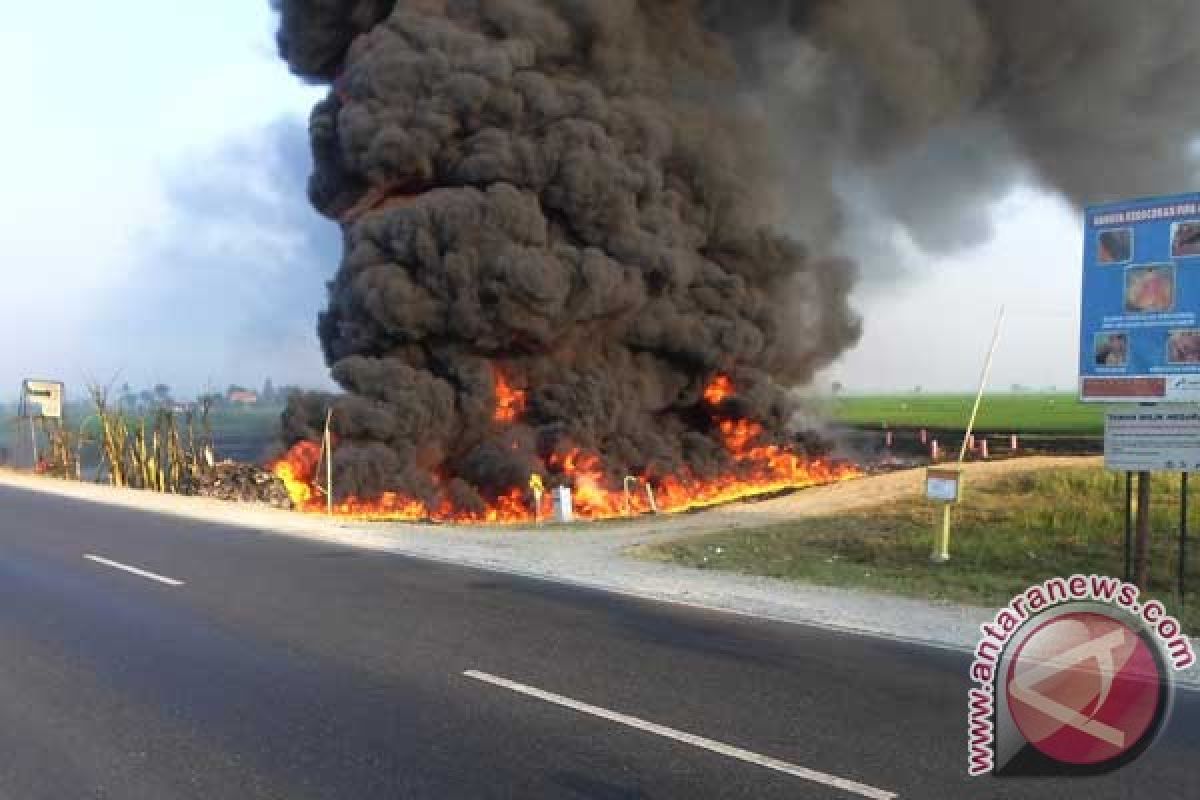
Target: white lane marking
118, 565
688, 738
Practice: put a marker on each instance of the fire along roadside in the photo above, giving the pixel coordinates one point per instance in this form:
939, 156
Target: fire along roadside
1033, 601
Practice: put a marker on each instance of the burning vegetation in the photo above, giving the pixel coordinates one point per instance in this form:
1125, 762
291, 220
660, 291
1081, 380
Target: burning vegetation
754, 468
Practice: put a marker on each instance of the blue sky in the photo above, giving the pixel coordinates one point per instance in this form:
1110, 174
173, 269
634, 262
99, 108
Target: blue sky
154, 225
121, 127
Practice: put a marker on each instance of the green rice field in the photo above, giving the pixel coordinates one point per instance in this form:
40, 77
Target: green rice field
1058, 413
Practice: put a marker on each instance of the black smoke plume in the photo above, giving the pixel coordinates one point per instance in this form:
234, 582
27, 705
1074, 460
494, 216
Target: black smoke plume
584, 196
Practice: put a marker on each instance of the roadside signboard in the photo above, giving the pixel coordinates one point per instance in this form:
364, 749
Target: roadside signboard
943, 484
1140, 320
41, 399
1155, 438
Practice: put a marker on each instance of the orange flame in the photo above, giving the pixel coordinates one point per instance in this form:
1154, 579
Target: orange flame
720, 388
298, 471
510, 402
758, 469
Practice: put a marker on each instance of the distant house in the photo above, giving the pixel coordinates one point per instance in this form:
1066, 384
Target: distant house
242, 397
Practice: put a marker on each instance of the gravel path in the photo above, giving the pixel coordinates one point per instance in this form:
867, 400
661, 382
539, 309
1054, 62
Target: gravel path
598, 555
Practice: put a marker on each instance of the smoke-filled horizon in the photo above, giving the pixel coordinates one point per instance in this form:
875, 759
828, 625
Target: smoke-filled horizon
609, 203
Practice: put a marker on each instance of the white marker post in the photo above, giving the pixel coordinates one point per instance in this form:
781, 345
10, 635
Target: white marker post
650, 496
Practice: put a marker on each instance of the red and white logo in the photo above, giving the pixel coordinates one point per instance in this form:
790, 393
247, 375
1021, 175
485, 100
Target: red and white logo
1074, 677
1084, 688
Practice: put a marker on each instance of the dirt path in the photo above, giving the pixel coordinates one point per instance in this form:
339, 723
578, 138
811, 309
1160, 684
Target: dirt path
865, 492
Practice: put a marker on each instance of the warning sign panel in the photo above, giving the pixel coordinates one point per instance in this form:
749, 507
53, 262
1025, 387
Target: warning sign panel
1149, 439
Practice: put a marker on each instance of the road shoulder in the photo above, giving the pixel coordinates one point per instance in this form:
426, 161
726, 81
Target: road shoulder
598, 557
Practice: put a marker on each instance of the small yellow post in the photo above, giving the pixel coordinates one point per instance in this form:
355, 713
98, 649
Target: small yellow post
943, 485
942, 554
538, 489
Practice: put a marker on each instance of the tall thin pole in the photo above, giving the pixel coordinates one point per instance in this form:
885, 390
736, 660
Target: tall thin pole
1183, 535
1128, 526
328, 444
983, 379
33, 439
941, 550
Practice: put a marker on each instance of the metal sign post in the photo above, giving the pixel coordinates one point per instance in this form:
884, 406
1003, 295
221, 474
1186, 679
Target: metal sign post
1128, 574
943, 485
1141, 537
1145, 439
39, 400
1183, 537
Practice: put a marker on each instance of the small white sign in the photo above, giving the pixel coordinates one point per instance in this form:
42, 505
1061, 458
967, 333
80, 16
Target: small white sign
42, 399
942, 485
1163, 438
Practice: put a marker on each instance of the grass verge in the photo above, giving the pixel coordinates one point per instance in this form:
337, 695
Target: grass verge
1010, 534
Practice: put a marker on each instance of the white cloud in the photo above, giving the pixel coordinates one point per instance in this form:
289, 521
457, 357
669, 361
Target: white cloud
934, 330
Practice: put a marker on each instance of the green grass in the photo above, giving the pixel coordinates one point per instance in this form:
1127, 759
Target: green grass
999, 413
249, 421
1007, 535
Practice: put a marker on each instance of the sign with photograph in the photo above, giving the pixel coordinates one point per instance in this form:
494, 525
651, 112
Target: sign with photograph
1140, 319
42, 399
1155, 438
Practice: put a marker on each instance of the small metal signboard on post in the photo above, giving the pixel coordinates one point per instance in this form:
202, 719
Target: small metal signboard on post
943, 484
41, 399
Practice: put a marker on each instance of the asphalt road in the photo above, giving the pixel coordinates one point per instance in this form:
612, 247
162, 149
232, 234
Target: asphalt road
274, 667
